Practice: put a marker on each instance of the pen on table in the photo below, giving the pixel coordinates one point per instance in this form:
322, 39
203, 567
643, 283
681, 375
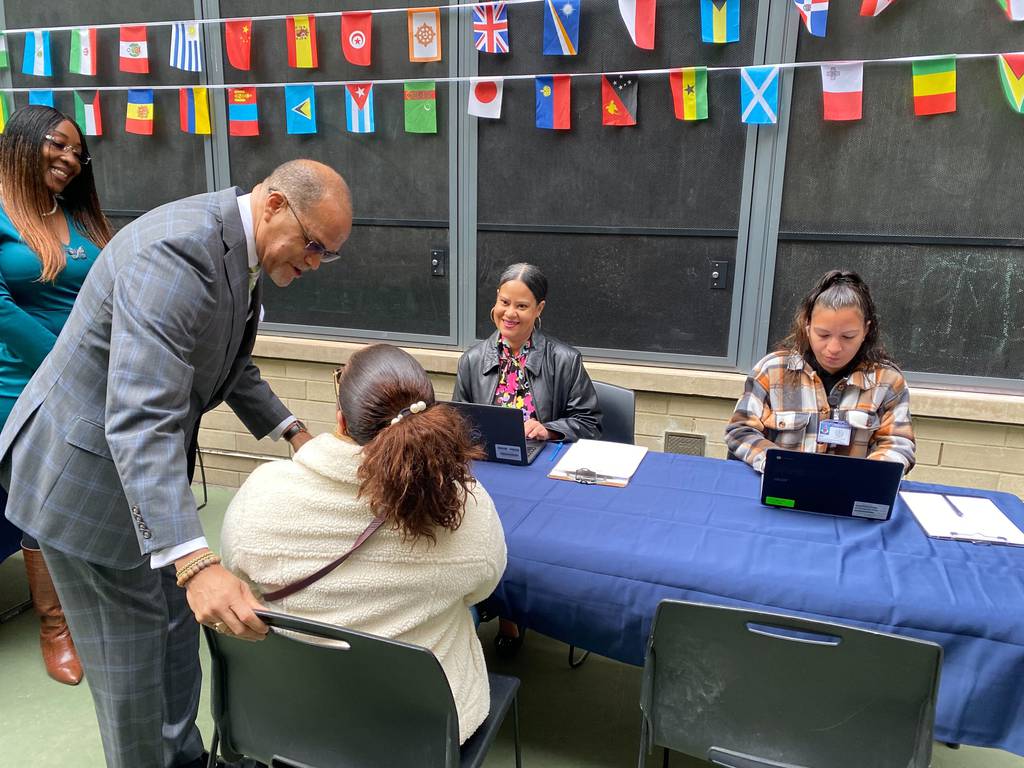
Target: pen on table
555, 452
956, 509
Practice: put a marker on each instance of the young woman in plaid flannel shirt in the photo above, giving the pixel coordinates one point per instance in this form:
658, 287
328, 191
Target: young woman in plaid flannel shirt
833, 365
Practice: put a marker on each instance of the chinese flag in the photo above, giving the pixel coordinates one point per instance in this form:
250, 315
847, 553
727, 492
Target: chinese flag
301, 32
238, 41
356, 29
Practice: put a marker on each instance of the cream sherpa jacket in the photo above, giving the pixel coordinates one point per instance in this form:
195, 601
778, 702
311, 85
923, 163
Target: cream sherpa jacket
292, 517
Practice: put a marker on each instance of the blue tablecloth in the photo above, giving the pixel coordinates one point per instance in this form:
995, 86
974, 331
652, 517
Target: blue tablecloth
588, 565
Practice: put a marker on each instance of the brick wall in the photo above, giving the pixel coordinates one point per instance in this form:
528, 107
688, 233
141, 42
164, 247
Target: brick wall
978, 445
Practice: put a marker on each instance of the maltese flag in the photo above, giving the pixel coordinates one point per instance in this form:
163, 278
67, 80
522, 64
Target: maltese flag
639, 18
485, 97
874, 7
842, 86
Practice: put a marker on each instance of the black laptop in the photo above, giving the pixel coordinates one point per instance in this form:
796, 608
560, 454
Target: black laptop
830, 484
500, 431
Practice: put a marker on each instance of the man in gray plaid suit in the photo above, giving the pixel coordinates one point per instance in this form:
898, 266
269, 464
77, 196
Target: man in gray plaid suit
96, 454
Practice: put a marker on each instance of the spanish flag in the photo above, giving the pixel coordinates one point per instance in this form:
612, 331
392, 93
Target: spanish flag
139, 118
301, 42
194, 110
935, 86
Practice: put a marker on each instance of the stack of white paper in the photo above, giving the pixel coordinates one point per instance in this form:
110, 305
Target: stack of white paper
610, 463
962, 518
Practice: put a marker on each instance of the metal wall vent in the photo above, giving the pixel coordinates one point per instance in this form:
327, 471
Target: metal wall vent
685, 443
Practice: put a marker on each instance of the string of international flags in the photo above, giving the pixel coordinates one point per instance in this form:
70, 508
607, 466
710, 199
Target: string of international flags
934, 77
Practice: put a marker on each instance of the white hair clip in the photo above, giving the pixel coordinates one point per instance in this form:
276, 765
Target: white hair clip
418, 407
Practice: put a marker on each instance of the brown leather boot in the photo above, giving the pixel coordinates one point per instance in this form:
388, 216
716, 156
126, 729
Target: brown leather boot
59, 653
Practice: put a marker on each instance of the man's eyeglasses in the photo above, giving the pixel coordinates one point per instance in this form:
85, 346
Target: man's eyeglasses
65, 149
326, 256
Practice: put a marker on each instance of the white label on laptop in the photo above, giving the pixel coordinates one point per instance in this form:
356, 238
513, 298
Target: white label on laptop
508, 452
870, 510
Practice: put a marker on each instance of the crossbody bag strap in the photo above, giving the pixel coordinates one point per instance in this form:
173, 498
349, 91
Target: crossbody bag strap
295, 586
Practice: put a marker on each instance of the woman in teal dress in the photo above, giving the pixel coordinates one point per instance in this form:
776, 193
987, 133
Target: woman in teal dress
51, 231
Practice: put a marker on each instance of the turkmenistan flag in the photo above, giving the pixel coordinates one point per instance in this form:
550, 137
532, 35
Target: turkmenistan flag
420, 107
935, 86
689, 93
87, 113
1011, 73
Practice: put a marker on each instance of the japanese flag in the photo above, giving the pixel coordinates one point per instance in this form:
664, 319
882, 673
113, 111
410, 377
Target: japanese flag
485, 97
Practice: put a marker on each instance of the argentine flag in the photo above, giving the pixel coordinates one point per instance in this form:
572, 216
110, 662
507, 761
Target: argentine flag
37, 54
359, 108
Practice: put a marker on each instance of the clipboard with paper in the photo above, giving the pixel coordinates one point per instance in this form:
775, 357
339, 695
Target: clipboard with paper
595, 462
962, 518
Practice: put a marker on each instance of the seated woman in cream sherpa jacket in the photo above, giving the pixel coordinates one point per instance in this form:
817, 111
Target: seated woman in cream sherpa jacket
440, 550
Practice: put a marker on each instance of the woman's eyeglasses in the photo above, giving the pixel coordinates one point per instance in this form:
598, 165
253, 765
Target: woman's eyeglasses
337, 383
68, 149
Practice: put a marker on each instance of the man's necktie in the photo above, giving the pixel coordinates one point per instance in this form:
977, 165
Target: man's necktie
254, 276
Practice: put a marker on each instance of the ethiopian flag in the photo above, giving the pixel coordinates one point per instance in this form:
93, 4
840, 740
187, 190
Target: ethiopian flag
1011, 73
690, 93
935, 86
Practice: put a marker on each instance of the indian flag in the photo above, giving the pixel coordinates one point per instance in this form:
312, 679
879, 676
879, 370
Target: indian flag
690, 93
83, 51
1014, 9
1011, 74
87, 114
935, 86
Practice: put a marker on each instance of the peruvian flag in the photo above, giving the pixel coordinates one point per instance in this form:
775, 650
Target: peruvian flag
134, 50
639, 18
356, 36
485, 97
874, 7
842, 86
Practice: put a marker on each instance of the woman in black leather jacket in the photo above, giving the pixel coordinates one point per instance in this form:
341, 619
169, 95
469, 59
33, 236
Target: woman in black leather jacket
519, 367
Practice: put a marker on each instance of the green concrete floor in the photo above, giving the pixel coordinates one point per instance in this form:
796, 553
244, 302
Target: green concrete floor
569, 718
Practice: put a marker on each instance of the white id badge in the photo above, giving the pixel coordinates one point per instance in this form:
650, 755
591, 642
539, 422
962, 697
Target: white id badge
834, 432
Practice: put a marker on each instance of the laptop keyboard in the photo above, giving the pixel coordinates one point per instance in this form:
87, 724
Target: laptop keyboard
533, 447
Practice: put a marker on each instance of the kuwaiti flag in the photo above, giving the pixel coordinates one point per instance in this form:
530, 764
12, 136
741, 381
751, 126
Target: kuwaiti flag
561, 27
1011, 75
485, 97
874, 7
87, 113
1014, 9
815, 15
359, 108
82, 60
37, 54
759, 95
842, 86
186, 53
639, 18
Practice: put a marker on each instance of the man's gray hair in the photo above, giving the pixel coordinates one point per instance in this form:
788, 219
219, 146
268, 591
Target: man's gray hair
300, 183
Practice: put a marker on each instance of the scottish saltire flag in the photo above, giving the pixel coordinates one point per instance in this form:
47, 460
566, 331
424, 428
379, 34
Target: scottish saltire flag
359, 108
43, 98
720, 21
37, 54
490, 28
814, 14
194, 110
300, 108
759, 95
186, 51
561, 27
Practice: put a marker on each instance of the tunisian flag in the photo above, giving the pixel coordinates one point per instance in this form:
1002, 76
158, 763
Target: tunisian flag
356, 36
639, 18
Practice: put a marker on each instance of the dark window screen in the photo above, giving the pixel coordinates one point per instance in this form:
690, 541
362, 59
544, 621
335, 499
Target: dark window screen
383, 281
125, 164
920, 206
664, 174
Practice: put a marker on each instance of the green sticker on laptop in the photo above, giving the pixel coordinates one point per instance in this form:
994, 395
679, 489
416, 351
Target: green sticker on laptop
775, 501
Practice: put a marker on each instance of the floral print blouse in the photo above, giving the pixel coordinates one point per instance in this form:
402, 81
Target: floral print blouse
513, 381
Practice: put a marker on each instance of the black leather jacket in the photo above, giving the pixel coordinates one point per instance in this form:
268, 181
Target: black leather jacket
563, 394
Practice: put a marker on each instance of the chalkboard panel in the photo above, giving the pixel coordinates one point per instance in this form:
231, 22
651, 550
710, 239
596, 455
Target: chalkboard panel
618, 292
381, 283
957, 310
125, 165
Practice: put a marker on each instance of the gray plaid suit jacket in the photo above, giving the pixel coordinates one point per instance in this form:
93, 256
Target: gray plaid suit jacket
94, 452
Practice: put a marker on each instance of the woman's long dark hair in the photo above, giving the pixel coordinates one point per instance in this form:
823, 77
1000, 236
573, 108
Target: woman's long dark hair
26, 198
839, 289
415, 472
530, 276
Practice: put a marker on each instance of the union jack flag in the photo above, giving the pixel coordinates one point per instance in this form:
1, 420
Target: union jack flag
490, 28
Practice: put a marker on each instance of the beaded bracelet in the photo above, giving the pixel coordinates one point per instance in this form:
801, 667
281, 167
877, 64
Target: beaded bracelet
194, 566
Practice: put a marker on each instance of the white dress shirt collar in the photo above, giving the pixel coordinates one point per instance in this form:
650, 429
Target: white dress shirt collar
245, 210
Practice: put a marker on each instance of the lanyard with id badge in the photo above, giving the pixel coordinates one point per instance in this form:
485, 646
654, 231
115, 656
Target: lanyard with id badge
834, 431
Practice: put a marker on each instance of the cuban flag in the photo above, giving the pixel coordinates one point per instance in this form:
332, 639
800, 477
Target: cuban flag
561, 27
490, 28
37, 54
185, 50
815, 15
359, 108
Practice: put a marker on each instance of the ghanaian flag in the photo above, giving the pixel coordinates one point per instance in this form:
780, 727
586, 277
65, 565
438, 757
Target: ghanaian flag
690, 93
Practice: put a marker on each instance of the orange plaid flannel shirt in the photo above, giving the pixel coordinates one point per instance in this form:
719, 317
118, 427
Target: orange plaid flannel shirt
784, 400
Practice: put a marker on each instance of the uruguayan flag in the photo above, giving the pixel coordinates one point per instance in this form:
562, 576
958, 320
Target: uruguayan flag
37, 54
185, 47
759, 95
359, 108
